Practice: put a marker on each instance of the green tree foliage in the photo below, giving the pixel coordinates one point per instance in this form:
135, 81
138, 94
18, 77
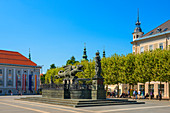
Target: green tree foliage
132, 68
42, 78
52, 72
72, 61
52, 66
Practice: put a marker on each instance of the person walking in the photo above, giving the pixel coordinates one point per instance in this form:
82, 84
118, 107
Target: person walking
136, 94
139, 93
143, 92
160, 96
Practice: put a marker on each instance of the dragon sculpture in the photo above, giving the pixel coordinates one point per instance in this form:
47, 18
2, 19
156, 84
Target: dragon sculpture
70, 71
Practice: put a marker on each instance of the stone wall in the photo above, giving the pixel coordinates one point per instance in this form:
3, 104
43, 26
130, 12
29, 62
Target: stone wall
66, 94
80, 94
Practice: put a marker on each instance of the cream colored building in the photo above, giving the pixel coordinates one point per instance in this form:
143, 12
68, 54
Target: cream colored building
159, 37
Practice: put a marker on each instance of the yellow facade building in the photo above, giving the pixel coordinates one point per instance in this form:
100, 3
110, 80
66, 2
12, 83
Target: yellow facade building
159, 37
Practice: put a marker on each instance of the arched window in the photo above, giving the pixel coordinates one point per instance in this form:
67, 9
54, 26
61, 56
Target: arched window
137, 36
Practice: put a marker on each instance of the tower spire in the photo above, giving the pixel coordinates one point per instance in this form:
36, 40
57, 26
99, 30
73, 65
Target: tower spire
29, 54
138, 16
104, 54
138, 28
84, 54
137, 31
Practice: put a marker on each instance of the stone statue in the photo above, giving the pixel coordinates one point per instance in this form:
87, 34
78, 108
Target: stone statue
97, 65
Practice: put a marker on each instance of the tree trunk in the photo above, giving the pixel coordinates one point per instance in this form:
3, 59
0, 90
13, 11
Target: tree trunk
149, 90
118, 90
106, 90
160, 88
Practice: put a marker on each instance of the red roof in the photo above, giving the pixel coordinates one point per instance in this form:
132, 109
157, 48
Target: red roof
11, 57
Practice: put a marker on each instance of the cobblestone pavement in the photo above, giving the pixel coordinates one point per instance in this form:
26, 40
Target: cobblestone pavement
8, 104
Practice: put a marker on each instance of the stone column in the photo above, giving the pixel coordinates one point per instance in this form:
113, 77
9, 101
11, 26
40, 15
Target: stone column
5, 77
146, 88
98, 91
22, 72
28, 80
156, 89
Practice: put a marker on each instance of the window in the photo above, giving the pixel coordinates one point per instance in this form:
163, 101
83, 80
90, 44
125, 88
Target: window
0, 71
19, 78
151, 89
151, 33
165, 29
10, 71
141, 49
0, 91
31, 72
9, 78
162, 89
150, 47
19, 72
158, 30
141, 87
137, 36
161, 46
25, 72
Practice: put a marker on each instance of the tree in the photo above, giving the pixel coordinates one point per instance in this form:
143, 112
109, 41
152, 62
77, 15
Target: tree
72, 61
42, 78
52, 66
52, 72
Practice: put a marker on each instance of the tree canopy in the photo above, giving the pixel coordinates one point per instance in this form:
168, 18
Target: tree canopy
71, 61
132, 68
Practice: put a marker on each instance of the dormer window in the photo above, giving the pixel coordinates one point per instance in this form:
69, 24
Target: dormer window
158, 30
165, 29
151, 33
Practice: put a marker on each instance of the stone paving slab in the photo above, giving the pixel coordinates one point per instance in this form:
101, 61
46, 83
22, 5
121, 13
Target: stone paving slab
8, 104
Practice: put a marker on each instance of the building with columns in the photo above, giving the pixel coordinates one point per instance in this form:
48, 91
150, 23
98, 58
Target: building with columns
159, 37
18, 74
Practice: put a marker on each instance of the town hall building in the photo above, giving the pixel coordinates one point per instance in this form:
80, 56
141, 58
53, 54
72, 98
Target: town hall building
18, 74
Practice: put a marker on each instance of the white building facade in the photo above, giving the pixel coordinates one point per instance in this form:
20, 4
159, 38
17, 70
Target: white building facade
18, 74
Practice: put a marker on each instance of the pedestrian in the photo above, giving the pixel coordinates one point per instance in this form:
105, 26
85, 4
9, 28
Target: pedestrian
143, 94
136, 94
11, 93
160, 96
18, 92
139, 93
129, 93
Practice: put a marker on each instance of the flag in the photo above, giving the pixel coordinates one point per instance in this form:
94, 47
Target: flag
30, 82
25, 82
35, 82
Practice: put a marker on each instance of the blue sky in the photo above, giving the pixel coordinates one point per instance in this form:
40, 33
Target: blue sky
55, 30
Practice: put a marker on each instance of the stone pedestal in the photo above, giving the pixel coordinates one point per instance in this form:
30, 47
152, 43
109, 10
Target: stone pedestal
98, 91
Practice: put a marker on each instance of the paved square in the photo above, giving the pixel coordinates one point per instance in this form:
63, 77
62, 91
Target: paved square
8, 104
